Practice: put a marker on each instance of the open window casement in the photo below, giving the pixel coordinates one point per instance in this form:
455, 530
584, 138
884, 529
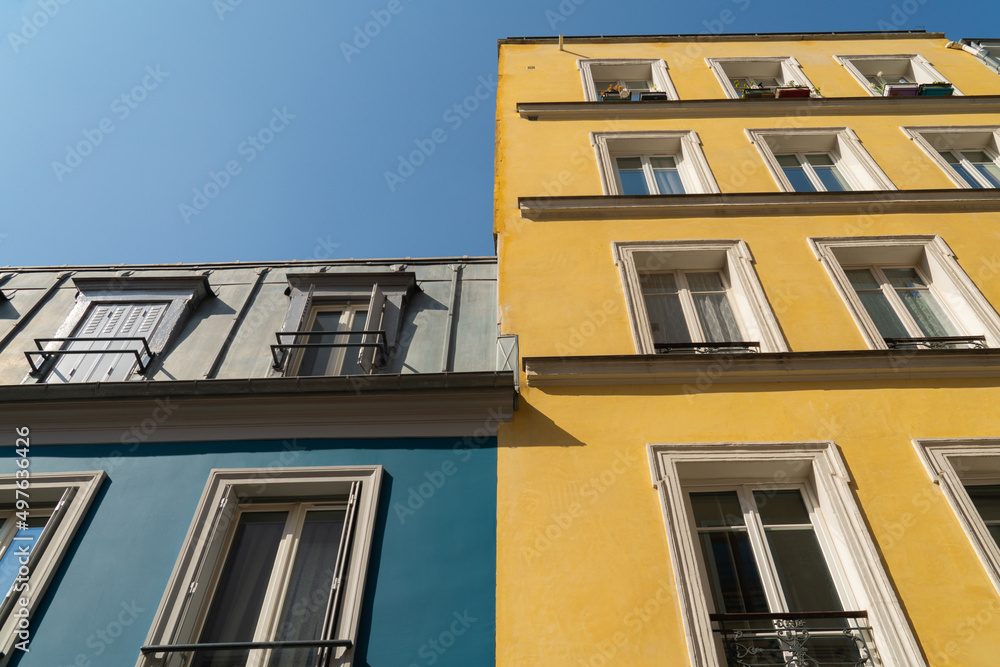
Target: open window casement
370, 310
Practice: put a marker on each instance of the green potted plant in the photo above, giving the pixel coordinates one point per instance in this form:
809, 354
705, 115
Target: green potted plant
937, 89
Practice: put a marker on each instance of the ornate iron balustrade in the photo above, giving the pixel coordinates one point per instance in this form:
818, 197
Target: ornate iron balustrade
707, 348
937, 343
805, 639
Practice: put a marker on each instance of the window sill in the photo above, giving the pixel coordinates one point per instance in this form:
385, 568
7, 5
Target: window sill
749, 204
736, 368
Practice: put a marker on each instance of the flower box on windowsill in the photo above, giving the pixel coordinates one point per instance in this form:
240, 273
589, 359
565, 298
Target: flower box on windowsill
757, 93
652, 95
936, 89
901, 90
793, 91
615, 97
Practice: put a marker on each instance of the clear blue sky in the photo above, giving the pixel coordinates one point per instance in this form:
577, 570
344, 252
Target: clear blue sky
200, 77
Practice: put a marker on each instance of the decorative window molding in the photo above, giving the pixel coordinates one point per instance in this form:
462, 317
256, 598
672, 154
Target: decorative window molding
954, 464
854, 163
910, 67
816, 466
784, 70
231, 494
934, 141
683, 145
653, 71
154, 308
968, 309
381, 295
732, 258
63, 499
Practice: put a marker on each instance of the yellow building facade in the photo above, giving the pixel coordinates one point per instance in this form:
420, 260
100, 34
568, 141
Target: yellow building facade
755, 282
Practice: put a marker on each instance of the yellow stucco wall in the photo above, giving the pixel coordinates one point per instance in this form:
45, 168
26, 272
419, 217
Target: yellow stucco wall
584, 574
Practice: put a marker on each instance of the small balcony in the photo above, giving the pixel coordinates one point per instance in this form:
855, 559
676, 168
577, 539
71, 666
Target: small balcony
707, 348
805, 639
937, 343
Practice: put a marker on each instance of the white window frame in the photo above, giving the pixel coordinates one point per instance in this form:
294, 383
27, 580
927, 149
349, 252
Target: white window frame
683, 145
810, 171
856, 166
675, 467
181, 613
789, 67
922, 69
691, 320
79, 490
658, 71
971, 313
951, 464
932, 139
182, 294
732, 258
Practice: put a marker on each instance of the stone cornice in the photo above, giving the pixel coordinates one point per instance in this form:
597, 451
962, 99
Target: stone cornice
799, 107
752, 204
701, 371
410, 405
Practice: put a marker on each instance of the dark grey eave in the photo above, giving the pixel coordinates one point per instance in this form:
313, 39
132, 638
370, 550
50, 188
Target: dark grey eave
750, 204
291, 264
280, 386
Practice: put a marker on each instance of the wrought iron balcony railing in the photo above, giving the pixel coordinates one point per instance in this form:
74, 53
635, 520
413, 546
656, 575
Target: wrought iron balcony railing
937, 343
706, 348
805, 639
280, 351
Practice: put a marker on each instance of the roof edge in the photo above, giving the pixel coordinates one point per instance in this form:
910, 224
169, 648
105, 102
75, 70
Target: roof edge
723, 37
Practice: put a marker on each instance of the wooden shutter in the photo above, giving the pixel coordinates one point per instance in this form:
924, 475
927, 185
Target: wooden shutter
369, 356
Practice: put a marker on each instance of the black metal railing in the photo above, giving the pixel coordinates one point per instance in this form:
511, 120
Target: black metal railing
280, 351
937, 343
49, 354
247, 646
805, 639
707, 348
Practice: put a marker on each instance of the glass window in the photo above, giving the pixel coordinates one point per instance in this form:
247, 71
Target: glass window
689, 306
811, 172
17, 540
339, 356
986, 498
649, 175
900, 302
977, 168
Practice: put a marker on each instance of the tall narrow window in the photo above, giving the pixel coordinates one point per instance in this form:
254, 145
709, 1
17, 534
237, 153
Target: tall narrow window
900, 302
813, 172
18, 538
979, 168
689, 306
277, 560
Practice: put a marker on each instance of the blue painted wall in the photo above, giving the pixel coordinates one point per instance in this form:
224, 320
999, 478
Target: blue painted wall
430, 565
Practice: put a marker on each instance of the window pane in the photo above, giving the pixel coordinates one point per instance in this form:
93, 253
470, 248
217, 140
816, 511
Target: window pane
666, 318
601, 86
920, 303
240, 593
637, 85
820, 160
985, 165
832, 179
658, 283
708, 281
631, 176
22, 545
795, 174
309, 587
986, 498
732, 571
716, 509
882, 314
781, 507
957, 164
716, 317
668, 180
862, 279
318, 360
802, 570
